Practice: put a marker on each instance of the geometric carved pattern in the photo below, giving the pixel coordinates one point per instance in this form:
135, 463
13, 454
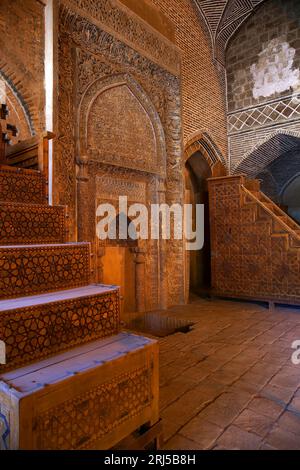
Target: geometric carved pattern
31, 223
80, 422
263, 115
255, 254
37, 331
91, 391
42, 268
111, 188
24, 186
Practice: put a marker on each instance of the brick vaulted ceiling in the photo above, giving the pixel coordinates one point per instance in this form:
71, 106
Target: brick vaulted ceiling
223, 18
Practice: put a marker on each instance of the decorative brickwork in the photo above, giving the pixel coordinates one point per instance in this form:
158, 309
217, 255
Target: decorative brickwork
223, 18
263, 75
202, 91
22, 55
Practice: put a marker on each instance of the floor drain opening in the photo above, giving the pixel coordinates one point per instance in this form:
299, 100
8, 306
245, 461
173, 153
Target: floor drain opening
157, 324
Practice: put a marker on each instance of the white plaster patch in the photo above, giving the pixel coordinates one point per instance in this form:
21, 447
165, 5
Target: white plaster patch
274, 72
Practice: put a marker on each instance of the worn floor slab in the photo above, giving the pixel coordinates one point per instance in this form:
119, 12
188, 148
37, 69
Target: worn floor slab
230, 383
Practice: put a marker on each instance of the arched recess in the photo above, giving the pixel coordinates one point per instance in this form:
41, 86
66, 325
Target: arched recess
117, 125
118, 91
202, 161
266, 151
290, 197
20, 103
119, 265
201, 142
276, 163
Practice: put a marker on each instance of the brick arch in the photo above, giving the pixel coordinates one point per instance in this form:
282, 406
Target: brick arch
23, 98
201, 142
267, 151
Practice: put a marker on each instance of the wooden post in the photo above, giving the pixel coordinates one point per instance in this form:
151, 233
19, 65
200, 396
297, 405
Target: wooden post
43, 157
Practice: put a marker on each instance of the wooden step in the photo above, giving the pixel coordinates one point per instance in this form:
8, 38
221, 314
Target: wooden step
19, 185
34, 269
35, 327
31, 223
90, 397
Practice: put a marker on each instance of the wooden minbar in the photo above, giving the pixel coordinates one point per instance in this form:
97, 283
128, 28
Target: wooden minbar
71, 378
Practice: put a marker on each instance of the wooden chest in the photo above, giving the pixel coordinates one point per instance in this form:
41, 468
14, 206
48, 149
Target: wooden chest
90, 397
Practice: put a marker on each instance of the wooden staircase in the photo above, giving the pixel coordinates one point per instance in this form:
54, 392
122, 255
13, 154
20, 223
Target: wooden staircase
71, 379
255, 244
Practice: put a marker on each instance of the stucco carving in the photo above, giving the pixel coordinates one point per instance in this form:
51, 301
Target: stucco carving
115, 18
139, 132
93, 62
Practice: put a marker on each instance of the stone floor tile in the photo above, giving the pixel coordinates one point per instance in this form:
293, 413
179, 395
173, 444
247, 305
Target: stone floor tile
215, 379
287, 377
180, 442
283, 440
226, 408
255, 423
266, 407
235, 438
202, 431
290, 422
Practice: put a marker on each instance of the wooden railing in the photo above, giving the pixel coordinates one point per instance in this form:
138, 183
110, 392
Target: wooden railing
32, 154
277, 216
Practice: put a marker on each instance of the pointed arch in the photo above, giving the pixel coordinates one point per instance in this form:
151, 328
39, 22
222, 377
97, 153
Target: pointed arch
266, 151
22, 98
202, 142
93, 92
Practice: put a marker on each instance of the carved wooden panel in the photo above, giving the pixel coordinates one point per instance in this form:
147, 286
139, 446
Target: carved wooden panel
31, 223
76, 424
24, 186
252, 256
90, 397
43, 268
38, 330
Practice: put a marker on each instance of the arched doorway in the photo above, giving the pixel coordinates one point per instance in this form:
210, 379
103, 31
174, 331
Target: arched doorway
203, 160
197, 170
119, 267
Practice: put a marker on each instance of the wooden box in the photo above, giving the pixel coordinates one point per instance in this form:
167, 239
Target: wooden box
90, 397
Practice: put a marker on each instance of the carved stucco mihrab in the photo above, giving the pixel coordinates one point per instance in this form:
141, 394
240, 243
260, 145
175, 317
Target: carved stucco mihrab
137, 141
92, 63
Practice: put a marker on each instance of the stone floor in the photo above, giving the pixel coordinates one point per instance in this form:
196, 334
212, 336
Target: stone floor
230, 383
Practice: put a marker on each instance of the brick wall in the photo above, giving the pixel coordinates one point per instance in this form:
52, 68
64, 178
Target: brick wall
263, 76
203, 96
22, 53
